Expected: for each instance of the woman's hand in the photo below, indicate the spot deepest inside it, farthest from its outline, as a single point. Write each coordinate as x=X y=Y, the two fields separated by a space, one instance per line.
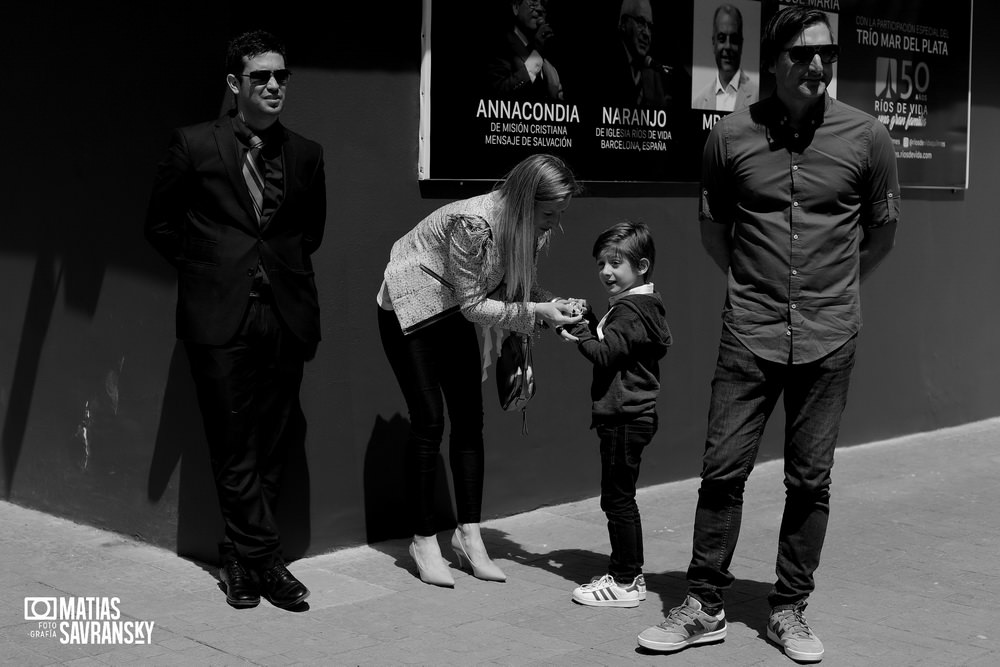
x=577 y=306
x=558 y=313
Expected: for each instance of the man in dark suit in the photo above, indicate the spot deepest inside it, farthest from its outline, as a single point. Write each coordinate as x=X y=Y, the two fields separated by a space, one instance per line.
x=632 y=77
x=520 y=65
x=239 y=220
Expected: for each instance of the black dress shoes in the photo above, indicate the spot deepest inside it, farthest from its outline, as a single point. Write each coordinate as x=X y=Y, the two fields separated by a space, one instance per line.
x=281 y=588
x=241 y=591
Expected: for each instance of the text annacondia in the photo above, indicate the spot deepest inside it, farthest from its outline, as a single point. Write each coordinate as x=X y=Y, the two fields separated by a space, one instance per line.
x=540 y=111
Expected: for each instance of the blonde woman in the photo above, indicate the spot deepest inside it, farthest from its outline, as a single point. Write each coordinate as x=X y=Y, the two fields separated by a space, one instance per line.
x=469 y=262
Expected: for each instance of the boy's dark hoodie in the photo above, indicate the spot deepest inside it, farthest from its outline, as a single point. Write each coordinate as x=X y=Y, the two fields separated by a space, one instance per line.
x=626 y=362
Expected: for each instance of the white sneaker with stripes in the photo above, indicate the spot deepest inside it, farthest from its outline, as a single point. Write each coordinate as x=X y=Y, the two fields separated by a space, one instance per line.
x=606 y=592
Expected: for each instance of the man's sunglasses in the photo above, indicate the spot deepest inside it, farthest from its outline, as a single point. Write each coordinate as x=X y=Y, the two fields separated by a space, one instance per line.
x=803 y=55
x=262 y=77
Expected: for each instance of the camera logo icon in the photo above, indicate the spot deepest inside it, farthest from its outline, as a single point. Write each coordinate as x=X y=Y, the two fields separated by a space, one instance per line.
x=40 y=609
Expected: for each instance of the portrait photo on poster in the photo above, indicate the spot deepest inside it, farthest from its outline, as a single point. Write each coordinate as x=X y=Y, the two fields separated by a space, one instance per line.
x=725 y=72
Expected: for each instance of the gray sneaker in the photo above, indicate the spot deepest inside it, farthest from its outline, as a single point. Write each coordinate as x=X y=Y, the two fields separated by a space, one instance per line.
x=788 y=629
x=685 y=625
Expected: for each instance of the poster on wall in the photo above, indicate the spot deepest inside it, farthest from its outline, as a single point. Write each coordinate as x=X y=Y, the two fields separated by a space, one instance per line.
x=908 y=64
x=628 y=90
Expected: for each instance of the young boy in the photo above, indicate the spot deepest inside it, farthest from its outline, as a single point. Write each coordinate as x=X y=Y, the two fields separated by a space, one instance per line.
x=625 y=347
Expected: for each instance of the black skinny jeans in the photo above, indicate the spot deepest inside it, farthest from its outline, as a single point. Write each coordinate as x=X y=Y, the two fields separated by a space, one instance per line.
x=435 y=366
x=621 y=454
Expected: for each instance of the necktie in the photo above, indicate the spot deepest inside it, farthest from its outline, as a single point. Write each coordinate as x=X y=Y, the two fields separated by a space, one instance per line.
x=637 y=79
x=252 y=175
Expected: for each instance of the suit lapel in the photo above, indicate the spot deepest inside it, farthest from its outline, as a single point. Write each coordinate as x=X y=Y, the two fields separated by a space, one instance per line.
x=229 y=153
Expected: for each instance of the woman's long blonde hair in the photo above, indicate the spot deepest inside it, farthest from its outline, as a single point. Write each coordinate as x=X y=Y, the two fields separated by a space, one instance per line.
x=536 y=179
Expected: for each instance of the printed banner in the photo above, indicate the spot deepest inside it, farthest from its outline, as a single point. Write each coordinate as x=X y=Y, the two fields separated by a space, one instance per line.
x=627 y=90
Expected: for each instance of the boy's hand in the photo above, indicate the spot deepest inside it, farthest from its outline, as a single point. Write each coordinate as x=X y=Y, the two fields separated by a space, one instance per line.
x=567 y=336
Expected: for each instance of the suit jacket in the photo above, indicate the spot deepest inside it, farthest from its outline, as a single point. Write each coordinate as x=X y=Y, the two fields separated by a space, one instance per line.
x=745 y=96
x=661 y=86
x=508 y=76
x=201 y=219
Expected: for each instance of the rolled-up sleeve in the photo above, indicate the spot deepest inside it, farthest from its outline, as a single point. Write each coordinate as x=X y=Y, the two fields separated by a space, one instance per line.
x=881 y=198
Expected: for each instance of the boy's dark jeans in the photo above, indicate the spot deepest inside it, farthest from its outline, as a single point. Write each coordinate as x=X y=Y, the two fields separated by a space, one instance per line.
x=621 y=453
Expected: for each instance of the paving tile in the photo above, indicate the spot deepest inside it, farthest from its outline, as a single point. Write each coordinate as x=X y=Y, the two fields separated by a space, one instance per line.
x=908 y=578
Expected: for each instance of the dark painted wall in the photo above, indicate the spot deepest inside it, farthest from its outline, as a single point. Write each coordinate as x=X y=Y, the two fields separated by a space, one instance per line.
x=98 y=417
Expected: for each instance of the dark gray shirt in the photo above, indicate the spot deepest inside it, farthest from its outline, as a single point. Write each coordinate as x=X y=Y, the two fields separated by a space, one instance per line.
x=798 y=200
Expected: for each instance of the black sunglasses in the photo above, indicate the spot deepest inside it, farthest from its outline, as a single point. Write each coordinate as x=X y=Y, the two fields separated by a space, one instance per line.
x=803 y=55
x=262 y=77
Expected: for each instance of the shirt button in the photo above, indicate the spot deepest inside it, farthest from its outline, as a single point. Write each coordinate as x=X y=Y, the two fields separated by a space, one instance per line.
x=795 y=204
x=794 y=306
x=795 y=167
x=795 y=272
x=795 y=236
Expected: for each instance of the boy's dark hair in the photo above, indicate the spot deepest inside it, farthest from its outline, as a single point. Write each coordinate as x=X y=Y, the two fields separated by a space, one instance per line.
x=249 y=45
x=785 y=25
x=632 y=240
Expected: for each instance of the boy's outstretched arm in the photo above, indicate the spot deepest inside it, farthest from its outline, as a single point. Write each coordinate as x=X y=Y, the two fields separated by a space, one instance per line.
x=617 y=342
x=585 y=329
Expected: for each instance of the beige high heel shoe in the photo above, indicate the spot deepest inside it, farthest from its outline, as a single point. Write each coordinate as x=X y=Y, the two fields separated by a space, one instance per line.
x=434 y=571
x=487 y=571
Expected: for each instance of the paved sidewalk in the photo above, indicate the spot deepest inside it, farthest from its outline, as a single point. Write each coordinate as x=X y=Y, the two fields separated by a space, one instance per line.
x=908 y=578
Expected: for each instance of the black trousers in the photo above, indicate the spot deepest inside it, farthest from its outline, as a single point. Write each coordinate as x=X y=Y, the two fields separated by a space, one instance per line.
x=248 y=391
x=437 y=366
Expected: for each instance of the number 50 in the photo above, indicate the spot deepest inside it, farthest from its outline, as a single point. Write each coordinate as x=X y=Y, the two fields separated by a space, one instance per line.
x=919 y=81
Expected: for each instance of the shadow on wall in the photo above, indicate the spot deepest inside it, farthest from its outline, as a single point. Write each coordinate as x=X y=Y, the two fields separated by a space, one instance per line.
x=80 y=219
x=386 y=507
x=80 y=279
x=179 y=443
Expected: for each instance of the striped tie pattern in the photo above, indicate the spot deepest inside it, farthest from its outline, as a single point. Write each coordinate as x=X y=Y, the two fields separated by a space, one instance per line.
x=252 y=175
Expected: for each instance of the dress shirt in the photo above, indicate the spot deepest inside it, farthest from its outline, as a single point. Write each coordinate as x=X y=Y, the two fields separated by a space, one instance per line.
x=272 y=169
x=798 y=200
x=725 y=96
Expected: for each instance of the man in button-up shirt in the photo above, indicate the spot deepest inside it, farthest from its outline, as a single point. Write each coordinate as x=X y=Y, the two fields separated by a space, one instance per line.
x=800 y=201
